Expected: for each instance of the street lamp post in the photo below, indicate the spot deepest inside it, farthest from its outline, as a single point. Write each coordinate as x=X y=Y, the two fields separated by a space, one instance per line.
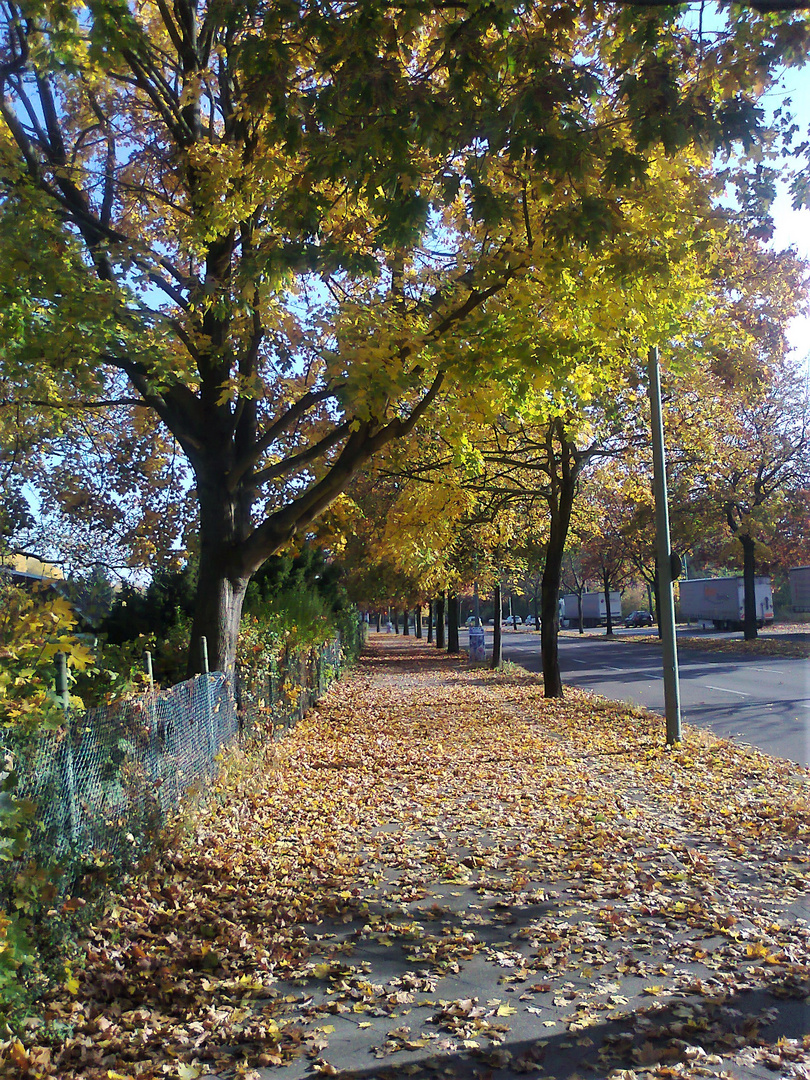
x=664 y=560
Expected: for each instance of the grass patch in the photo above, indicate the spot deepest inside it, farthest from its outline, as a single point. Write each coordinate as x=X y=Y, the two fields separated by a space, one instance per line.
x=761 y=646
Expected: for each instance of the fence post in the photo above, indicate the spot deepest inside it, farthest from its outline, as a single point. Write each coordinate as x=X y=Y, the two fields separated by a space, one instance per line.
x=70 y=772
x=152 y=750
x=209 y=712
x=147 y=665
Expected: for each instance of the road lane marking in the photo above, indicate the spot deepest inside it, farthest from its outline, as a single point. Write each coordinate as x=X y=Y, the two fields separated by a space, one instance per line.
x=724 y=690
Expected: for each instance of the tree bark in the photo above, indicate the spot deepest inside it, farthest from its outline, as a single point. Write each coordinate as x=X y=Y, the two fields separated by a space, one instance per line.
x=379 y=620
x=452 y=623
x=550 y=614
x=497 y=636
x=222 y=579
x=440 y=638
x=749 y=586
x=405 y=629
x=418 y=630
x=431 y=608
x=560 y=509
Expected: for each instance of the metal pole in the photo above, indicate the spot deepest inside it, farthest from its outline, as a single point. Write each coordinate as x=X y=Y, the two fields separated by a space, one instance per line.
x=62 y=680
x=209 y=712
x=63 y=694
x=147 y=663
x=666 y=612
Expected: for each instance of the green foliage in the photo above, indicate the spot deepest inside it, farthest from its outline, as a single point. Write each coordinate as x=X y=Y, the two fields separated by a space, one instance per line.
x=34 y=627
x=17 y=955
x=153 y=612
x=445 y=153
x=157 y=619
x=296 y=603
x=91 y=595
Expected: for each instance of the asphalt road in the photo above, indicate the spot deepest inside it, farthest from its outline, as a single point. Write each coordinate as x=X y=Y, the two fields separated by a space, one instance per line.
x=759 y=700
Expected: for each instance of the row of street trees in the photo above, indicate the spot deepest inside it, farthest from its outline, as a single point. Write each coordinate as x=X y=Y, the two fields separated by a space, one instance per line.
x=247 y=249
x=568 y=500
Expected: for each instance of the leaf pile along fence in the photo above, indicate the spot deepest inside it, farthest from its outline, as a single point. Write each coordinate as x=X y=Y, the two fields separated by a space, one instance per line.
x=96 y=791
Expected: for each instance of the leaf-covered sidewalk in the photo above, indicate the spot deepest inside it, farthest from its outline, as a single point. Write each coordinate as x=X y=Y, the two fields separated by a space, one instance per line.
x=440 y=873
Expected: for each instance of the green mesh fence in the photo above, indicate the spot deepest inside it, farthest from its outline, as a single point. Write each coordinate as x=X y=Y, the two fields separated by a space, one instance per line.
x=101 y=784
x=99 y=788
x=271 y=701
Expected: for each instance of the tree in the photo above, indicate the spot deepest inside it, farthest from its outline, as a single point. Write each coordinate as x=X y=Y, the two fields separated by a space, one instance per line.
x=601 y=545
x=256 y=223
x=762 y=461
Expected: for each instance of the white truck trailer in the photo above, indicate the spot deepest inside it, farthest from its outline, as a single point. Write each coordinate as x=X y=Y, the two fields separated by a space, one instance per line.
x=800 y=588
x=721 y=601
x=594 y=611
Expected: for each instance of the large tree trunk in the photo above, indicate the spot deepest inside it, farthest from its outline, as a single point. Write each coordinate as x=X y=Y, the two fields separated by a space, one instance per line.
x=379 y=620
x=222 y=579
x=559 y=521
x=440 y=639
x=217 y=616
x=431 y=611
x=749 y=586
x=405 y=630
x=550 y=616
x=452 y=623
x=418 y=630
x=497 y=636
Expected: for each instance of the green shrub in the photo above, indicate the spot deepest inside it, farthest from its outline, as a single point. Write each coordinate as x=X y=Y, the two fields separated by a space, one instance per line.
x=34 y=627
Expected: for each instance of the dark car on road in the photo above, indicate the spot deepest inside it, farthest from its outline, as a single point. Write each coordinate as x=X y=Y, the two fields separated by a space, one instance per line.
x=639 y=618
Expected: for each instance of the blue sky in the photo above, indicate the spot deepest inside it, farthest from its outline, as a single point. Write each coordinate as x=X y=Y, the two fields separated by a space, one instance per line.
x=792 y=227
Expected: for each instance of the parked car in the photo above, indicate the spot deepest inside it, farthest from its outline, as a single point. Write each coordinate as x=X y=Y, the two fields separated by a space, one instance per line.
x=529 y=620
x=639 y=618
x=512 y=620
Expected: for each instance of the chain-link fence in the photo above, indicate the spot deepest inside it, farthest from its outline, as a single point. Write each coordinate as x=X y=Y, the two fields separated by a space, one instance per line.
x=97 y=789
x=271 y=701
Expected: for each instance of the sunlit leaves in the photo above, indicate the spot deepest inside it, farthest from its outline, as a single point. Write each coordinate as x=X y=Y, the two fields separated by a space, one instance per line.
x=594 y=876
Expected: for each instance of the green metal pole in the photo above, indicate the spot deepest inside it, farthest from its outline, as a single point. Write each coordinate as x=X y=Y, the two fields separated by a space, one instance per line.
x=666 y=613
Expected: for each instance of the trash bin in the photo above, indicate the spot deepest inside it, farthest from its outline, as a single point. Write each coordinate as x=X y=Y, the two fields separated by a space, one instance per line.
x=478 y=649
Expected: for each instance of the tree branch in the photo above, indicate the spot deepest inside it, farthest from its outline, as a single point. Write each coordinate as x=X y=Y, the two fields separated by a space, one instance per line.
x=284 y=423
x=312 y=453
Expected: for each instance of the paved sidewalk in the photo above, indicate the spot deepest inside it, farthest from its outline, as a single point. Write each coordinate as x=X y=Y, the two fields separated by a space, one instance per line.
x=627 y=936
x=444 y=875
